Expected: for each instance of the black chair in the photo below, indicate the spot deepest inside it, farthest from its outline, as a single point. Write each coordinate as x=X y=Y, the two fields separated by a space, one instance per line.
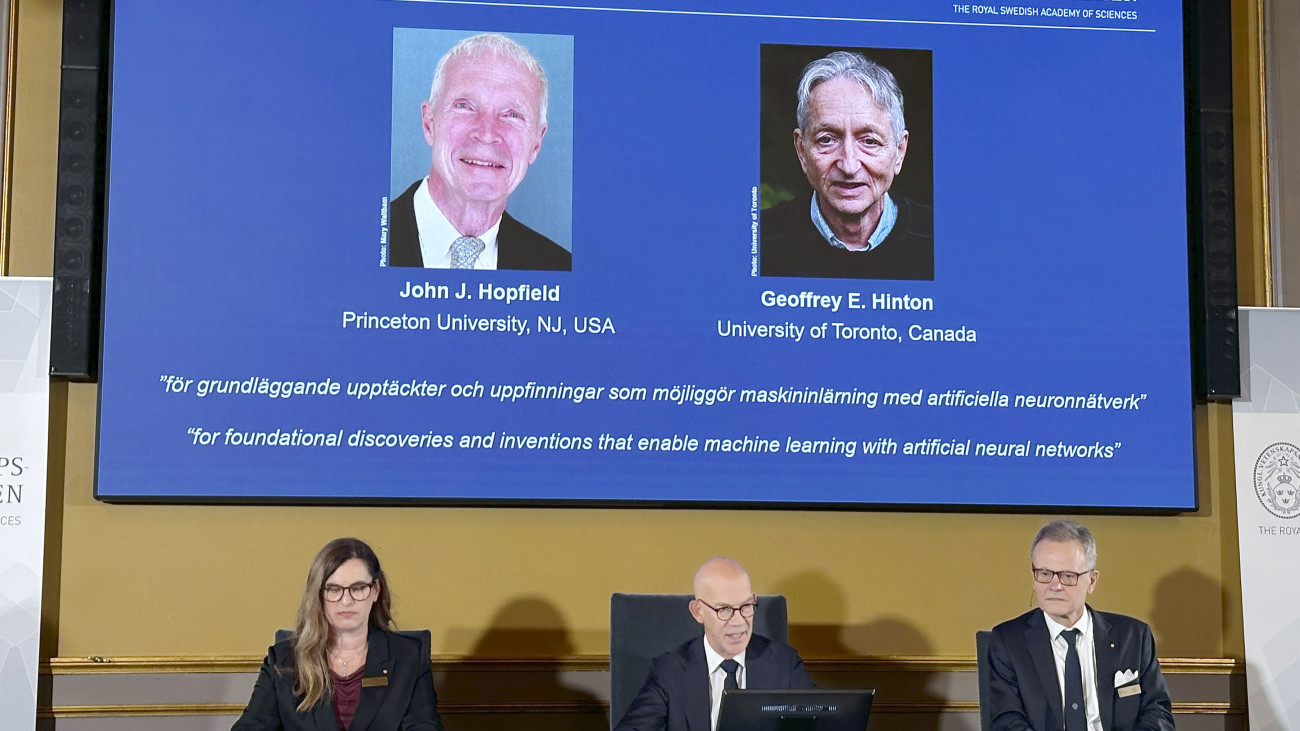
x=422 y=635
x=982 y=664
x=643 y=626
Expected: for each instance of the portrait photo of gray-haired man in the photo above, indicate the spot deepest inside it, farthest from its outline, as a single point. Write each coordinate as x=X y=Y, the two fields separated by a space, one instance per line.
x=851 y=199
x=484 y=125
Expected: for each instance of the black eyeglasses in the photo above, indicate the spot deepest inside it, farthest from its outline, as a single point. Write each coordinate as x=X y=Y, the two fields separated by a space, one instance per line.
x=725 y=613
x=359 y=591
x=1068 y=578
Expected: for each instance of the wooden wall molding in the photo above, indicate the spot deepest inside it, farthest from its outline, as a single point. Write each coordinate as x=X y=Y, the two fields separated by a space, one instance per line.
x=97 y=665
x=543 y=707
x=232 y=709
x=574 y=663
x=914 y=686
x=127 y=711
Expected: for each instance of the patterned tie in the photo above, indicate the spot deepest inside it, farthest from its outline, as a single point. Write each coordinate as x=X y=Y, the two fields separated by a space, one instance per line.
x=730 y=667
x=1076 y=713
x=465 y=251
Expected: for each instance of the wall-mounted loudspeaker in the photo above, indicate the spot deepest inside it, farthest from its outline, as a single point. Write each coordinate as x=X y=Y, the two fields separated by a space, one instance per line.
x=1211 y=221
x=79 y=202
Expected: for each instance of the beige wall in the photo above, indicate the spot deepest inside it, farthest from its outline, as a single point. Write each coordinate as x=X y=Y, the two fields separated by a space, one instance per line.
x=191 y=580
x=1283 y=93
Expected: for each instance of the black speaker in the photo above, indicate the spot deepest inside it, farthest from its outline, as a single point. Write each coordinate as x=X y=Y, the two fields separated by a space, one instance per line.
x=1211 y=221
x=79 y=200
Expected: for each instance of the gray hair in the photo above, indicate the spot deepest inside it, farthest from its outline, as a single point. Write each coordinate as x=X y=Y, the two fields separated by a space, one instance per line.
x=493 y=44
x=845 y=64
x=1062 y=530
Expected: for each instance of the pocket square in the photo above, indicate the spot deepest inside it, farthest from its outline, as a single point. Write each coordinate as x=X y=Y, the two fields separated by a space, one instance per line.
x=1124 y=677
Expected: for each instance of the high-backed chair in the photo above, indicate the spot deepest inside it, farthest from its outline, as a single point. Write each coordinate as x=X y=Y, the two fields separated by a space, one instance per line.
x=643 y=626
x=419 y=634
x=982 y=664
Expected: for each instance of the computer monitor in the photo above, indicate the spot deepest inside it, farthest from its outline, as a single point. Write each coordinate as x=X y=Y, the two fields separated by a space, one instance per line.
x=794 y=710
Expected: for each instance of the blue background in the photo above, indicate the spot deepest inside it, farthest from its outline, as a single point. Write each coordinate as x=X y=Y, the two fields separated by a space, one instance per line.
x=251 y=145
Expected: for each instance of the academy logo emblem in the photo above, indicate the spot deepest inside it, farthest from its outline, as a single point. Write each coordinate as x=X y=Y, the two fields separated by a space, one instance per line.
x=1277 y=479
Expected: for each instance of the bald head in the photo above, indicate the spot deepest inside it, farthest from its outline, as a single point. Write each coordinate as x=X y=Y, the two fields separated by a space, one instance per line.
x=722 y=584
x=715 y=570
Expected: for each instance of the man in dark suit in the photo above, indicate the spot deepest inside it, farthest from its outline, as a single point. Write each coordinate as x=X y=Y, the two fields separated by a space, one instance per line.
x=1067 y=666
x=484 y=121
x=851 y=140
x=684 y=689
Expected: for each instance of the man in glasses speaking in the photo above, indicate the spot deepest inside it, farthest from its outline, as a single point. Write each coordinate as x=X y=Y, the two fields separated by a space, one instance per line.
x=684 y=689
x=1066 y=665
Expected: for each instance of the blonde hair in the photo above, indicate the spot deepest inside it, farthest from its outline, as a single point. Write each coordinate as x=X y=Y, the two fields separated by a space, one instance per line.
x=311 y=635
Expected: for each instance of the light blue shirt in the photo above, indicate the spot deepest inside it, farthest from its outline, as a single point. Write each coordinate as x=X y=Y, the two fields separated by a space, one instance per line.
x=886 y=224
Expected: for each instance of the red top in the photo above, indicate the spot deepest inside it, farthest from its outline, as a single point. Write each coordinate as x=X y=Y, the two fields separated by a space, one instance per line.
x=347 y=693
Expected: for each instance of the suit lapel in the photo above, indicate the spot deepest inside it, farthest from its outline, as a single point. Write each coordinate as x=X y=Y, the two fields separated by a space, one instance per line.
x=378 y=665
x=506 y=240
x=696 y=673
x=1104 y=650
x=1039 y=644
x=759 y=674
x=322 y=717
x=404 y=232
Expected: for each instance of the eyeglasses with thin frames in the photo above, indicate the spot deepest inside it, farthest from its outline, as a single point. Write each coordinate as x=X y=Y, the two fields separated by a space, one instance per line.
x=360 y=591
x=1068 y=578
x=725 y=613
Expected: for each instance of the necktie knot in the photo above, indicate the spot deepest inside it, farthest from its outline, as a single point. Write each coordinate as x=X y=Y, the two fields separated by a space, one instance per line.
x=465 y=251
x=730 y=667
x=1071 y=635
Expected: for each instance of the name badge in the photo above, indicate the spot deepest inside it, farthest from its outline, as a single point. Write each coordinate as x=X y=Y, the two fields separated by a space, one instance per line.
x=372 y=682
x=1123 y=692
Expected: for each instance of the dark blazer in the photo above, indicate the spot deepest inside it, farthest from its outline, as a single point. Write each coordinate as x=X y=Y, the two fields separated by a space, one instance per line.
x=1025 y=693
x=793 y=247
x=676 y=694
x=406 y=703
x=518 y=247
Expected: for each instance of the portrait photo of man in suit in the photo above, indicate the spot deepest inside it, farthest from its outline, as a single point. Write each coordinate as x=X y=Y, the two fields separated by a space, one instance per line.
x=485 y=122
x=1065 y=665
x=852 y=142
x=684 y=687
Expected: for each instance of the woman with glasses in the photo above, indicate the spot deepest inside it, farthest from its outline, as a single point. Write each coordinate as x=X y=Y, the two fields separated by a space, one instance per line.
x=344 y=667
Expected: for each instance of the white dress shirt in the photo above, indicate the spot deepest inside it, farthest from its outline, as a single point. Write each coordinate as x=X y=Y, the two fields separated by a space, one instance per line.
x=1087 y=662
x=437 y=234
x=717 y=677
